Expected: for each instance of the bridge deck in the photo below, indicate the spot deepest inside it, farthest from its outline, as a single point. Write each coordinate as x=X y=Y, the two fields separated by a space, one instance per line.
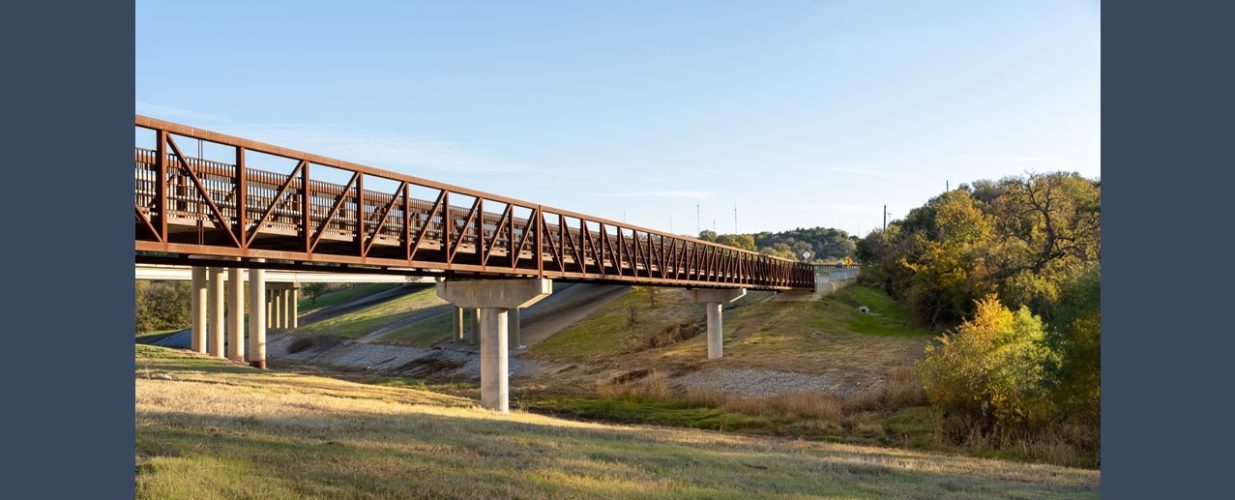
x=226 y=210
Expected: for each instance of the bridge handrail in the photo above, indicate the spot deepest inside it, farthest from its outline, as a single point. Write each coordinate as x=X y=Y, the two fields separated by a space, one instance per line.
x=292 y=154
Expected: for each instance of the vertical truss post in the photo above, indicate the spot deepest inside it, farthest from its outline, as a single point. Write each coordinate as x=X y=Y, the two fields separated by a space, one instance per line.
x=242 y=198
x=161 y=187
x=360 y=215
x=306 y=209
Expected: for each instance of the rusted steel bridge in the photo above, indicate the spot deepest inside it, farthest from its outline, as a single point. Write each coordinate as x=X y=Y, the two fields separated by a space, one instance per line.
x=251 y=217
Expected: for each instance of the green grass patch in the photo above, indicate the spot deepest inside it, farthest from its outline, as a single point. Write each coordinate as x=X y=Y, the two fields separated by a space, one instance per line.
x=342 y=296
x=361 y=321
x=913 y=427
x=606 y=331
x=886 y=317
x=638 y=410
x=427 y=332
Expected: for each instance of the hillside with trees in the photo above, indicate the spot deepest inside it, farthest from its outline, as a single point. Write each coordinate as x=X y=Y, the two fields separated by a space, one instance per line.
x=823 y=244
x=1009 y=270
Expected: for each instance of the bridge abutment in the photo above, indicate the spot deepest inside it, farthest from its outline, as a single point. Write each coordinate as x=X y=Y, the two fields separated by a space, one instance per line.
x=713 y=300
x=494 y=299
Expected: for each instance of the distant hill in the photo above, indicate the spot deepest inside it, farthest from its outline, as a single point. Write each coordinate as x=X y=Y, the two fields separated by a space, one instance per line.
x=824 y=243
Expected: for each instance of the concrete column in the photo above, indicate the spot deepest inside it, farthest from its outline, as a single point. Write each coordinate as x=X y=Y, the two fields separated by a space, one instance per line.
x=235 y=314
x=214 y=311
x=199 y=300
x=257 y=318
x=716 y=330
x=494 y=298
x=513 y=328
x=494 y=360
x=276 y=298
x=457 y=312
x=295 y=307
x=713 y=299
x=269 y=309
x=475 y=337
x=287 y=308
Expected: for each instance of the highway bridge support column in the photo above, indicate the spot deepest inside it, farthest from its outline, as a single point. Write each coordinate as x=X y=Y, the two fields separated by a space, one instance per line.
x=295 y=298
x=257 y=318
x=494 y=298
x=474 y=333
x=713 y=299
x=287 y=309
x=457 y=312
x=214 y=310
x=513 y=328
x=235 y=314
x=199 y=300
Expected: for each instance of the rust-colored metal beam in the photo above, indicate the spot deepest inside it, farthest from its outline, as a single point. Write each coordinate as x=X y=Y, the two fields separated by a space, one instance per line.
x=645 y=256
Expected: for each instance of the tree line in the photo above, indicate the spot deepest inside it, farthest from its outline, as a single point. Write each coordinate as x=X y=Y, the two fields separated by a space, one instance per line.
x=816 y=244
x=1010 y=271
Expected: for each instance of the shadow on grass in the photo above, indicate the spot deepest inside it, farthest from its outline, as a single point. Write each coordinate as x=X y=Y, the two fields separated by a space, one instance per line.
x=481 y=455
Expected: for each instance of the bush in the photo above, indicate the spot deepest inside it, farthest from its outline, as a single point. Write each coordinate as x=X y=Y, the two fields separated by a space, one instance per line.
x=988 y=377
x=162 y=305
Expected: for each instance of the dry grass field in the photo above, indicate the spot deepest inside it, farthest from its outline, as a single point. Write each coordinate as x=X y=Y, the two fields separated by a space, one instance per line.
x=212 y=429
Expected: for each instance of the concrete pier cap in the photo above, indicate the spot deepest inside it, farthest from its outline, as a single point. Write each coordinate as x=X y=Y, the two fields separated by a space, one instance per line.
x=495 y=293
x=713 y=299
x=493 y=299
x=717 y=295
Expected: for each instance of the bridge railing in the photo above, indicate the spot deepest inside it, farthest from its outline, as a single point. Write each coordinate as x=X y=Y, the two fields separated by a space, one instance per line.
x=193 y=206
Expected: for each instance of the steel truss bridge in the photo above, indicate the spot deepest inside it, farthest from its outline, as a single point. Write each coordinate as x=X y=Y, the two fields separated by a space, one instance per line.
x=229 y=213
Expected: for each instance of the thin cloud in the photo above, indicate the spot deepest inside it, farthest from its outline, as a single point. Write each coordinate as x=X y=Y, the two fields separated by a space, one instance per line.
x=693 y=195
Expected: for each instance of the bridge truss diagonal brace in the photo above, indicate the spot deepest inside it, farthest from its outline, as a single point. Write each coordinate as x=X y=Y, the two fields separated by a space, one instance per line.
x=713 y=299
x=495 y=299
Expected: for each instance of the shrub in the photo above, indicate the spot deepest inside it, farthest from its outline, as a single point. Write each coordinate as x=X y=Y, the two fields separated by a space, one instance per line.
x=161 y=305
x=987 y=378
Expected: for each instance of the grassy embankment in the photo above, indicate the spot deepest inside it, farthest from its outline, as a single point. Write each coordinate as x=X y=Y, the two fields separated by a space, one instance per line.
x=207 y=428
x=310 y=304
x=828 y=337
x=357 y=323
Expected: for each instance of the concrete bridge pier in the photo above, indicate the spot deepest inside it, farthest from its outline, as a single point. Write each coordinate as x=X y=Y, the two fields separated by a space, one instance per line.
x=474 y=333
x=713 y=299
x=235 y=314
x=457 y=314
x=494 y=299
x=516 y=342
x=257 y=318
x=199 y=300
x=214 y=306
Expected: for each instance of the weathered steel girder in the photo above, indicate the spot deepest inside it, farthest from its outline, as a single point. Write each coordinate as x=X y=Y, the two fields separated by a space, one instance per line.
x=192 y=206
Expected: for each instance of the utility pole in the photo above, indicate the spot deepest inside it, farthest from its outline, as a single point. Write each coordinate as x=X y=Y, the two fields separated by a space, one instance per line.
x=698 y=225
x=714 y=227
x=735 y=217
x=885 y=218
x=947 y=185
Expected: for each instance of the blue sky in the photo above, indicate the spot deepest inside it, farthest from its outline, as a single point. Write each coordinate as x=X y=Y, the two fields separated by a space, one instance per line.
x=808 y=113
